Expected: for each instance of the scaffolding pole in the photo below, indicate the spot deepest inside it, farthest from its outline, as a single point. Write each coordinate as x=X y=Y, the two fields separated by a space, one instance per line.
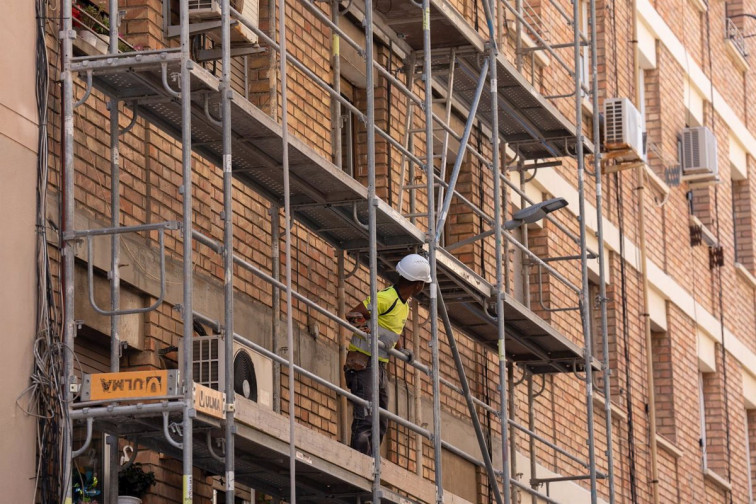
x=228 y=251
x=188 y=281
x=584 y=301
x=287 y=233
x=66 y=36
x=601 y=260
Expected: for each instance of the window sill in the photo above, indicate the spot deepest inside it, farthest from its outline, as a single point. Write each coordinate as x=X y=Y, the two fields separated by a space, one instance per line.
x=598 y=398
x=656 y=183
x=747 y=275
x=707 y=236
x=700 y=5
x=717 y=480
x=669 y=447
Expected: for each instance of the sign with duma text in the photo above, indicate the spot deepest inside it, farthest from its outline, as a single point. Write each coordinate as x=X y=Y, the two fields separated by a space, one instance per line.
x=209 y=401
x=129 y=385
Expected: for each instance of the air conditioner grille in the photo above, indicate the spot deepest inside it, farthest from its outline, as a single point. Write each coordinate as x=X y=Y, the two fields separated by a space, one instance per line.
x=206 y=364
x=614 y=131
x=245 y=379
x=699 y=153
x=200 y=4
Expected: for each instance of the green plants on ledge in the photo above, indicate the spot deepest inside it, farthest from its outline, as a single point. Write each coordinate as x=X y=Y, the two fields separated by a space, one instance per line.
x=133 y=483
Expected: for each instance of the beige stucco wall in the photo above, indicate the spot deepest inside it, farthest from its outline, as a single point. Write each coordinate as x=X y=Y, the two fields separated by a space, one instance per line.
x=18 y=137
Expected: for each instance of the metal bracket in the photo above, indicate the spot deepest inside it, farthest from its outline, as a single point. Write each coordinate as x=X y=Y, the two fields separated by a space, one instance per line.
x=88 y=90
x=160 y=227
x=716 y=257
x=175 y=427
x=168 y=88
x=221 y=442
x=87 y=440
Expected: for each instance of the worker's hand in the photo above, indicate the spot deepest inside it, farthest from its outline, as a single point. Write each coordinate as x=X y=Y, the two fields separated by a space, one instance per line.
x=408 y=353
x=357 y=319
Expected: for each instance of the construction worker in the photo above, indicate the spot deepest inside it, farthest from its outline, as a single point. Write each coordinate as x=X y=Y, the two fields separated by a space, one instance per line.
x=393 y=308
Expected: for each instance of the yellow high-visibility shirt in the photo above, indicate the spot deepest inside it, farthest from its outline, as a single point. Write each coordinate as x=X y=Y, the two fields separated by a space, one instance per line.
x=392 y=314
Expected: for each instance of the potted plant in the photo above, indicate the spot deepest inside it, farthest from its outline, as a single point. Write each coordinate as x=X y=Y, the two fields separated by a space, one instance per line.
x=133 y=483
x=85 y=487
x=87 y=24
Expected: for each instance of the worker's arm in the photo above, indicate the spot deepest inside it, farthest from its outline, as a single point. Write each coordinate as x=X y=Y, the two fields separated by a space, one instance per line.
x=360 y=307
x=358 y=315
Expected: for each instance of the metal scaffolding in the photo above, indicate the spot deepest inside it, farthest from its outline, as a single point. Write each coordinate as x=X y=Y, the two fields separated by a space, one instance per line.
x=471 y=74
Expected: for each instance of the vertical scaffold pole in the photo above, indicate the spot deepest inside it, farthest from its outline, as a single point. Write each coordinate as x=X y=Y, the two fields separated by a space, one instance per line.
x=585 y=301
x=372 y=201
x=228 y=246
x=186 y=190
x=287 y=234
x=500 y=289
x=113 y=27
x=500 y=292
x=432 y=245
x=67 y=227
x=115 y=250
x=336 y=83
x=602 y=265
x=115 y=275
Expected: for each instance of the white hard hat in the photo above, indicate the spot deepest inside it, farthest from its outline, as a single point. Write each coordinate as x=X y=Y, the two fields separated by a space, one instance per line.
x=414 y=267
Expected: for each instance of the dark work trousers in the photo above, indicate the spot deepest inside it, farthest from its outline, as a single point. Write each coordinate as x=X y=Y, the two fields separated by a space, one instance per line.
x=360 y=383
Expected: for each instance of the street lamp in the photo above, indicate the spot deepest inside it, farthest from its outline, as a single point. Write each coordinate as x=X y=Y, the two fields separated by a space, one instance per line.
x=534 y=213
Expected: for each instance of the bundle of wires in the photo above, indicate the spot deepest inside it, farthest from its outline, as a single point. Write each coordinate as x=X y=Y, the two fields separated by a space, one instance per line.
x=43 y=397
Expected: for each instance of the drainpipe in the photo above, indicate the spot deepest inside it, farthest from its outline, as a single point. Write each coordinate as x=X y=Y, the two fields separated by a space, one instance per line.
x=644 y=277
x=647 y=329
x=336 y=104
x=275 y=239
x=417 y=391
x=272 y=76
x=341 y=302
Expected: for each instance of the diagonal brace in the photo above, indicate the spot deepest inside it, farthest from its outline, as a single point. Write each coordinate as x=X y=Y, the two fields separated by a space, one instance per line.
x=468 y=397
x=462 y=148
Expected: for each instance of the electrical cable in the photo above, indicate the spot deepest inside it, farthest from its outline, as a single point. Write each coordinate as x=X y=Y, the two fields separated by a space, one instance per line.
x=623 y=287
x=43 y=395
x=725 y=392
x=625 y=342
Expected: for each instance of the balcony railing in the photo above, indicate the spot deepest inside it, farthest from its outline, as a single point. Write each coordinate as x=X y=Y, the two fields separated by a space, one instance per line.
x=734 y=35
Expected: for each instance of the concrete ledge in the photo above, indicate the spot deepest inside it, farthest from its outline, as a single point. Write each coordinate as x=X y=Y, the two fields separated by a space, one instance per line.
x=717 y=480
x=669 y=447
x=747 y=276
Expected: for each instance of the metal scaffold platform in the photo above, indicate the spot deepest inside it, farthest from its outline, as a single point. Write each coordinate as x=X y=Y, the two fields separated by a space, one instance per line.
x=271 y=452
x=327 y=471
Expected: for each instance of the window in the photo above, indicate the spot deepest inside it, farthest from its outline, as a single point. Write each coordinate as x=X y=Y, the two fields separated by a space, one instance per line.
x=661 y=353
x=750 y=449
x=694 y=105
x=597 y=340
x=585 y=31
x=713 y=425
x=742 y=220
x=742 y=211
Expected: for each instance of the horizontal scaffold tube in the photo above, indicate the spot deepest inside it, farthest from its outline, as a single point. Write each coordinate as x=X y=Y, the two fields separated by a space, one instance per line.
x=127 y=409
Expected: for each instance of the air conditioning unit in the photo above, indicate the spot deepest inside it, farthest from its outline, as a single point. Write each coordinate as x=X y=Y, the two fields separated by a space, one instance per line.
x=210 y=10
x=699 y=155
x=253 y=372
x=624 y=130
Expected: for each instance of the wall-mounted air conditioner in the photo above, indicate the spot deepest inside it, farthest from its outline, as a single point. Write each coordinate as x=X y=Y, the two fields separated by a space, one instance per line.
x=252 y=371
x=210 y=10
x=699 y=155
x=623 y=135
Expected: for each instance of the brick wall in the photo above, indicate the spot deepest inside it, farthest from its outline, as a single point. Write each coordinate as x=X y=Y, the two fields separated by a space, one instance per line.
x=150 y=180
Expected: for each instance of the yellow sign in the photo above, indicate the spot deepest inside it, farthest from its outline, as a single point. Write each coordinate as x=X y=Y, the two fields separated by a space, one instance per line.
x=209 y=401
x=128 y=384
